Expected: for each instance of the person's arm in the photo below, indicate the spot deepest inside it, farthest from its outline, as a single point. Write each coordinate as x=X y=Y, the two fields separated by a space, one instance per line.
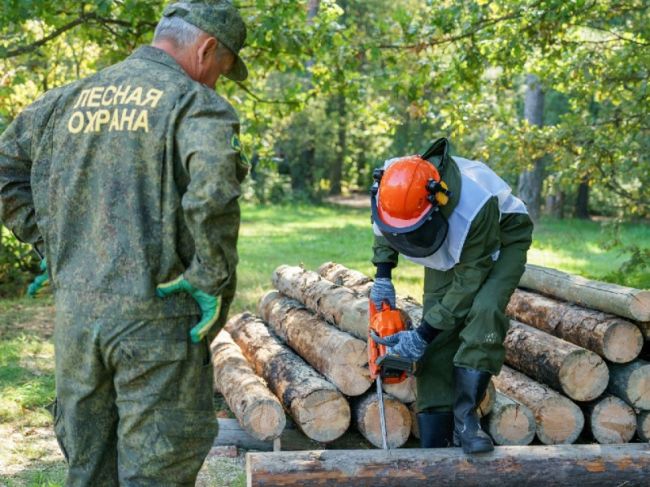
x=472 y=270
x=17 y=211
x=210 y=156
x=384 y=257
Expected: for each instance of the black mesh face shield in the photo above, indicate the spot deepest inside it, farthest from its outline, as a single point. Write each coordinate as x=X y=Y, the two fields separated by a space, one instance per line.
x=419 y=240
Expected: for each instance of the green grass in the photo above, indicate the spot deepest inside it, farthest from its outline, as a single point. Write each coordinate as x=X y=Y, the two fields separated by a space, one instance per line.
x=270 y=236
x=311 y=235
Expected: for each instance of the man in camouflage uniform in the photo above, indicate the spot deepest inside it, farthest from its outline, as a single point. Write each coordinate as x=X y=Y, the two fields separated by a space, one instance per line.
x=127 y=182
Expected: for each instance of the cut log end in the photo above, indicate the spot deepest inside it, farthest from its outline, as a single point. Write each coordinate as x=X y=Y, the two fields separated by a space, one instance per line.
x=405 y=391
x=322 y=415
x=559 y=421
x=584 y=375
x=631 y=382
x=624 y=342
x=268 y=421
x=398 y=420
x=510 y=422
x=640 y=306
x=612 y=421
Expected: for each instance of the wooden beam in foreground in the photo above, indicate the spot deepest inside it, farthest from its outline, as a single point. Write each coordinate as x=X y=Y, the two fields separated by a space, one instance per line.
x=583 y=465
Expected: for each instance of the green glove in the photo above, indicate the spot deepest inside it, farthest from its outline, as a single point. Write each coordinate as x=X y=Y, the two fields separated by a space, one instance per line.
x=39 y=281
x=208 y=304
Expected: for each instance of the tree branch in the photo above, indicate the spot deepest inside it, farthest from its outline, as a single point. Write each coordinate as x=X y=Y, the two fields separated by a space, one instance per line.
x=44 y=40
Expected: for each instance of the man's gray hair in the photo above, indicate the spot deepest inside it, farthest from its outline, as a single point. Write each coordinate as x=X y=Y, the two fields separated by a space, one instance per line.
x=182 y=34
x=177 y=30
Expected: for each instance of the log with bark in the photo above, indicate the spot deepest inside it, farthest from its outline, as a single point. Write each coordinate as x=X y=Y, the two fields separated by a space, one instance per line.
x=339 y=356
x=316 y=406
x=339 y=305
x=614 y=338
x=558 y=419
x=631 y=382
x=361 y=284
x=257 y=409
x=365 y=414
x=510 y=422
x=611 y=298
x=643 y=425
x=580 y=374
x=610 y=420
x=532 y=466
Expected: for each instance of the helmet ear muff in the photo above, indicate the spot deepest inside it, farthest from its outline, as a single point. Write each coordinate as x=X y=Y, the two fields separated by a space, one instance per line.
x=438 y=192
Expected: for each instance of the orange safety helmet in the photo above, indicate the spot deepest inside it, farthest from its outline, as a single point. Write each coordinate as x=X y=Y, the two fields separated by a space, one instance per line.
x=405 y=201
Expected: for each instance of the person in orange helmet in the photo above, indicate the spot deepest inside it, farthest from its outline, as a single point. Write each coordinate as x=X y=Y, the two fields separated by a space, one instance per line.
x=459 y=220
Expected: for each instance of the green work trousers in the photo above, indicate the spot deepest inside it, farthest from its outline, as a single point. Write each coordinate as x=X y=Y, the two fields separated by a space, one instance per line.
x=475 y=342
x=134 y=400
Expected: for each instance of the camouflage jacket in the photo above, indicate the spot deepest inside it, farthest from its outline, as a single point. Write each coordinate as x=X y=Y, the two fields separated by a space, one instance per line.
x=124 y=180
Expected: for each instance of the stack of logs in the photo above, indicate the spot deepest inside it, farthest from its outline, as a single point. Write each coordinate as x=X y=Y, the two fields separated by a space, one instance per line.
x=573 y=368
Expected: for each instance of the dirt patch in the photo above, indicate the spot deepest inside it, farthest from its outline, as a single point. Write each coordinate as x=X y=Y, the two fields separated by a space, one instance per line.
x=27 y=319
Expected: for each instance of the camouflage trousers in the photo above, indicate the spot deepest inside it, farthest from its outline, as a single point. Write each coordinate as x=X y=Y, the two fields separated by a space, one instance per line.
x=134 y=400
x=477 y=341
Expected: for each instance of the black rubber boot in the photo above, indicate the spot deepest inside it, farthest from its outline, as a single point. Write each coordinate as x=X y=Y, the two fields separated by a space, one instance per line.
x=436 y=429
x=469 y=388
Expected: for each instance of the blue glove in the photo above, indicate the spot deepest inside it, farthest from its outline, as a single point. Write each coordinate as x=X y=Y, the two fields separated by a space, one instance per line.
x=408 y=344
x=208 y=304
x=39 y=281
x=383 y=290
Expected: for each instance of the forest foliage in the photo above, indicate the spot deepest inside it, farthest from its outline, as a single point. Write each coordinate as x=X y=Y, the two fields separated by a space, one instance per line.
x=337 y=86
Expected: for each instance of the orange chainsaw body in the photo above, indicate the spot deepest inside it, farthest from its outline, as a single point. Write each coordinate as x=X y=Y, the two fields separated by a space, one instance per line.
x=384 y=322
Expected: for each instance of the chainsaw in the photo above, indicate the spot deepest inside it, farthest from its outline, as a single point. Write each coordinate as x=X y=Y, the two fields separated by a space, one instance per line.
x=389 y=369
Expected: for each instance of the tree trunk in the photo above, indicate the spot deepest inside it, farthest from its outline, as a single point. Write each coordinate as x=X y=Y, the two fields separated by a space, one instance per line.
x=582 y=200
x=631 y=382
x=557 y=418
x=336 y=173
x=615 y=339
x=532 y=466
x=316 y=406
x=611 y=298
x=365 y=413
x=643 y=425
x=610 y=420
x=555 y=204
x=530 y=182
x=257 y=409
x=339 y=356
x=580 y=374
x=510 y=422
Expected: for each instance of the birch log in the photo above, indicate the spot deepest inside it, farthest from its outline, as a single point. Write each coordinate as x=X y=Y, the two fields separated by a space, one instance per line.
x=558 y=419
x=631 y=382
x=361 y=284
x=510 y=422
x=610 y=420
x=579 y=373
x=614 y=338
x=316 y=406
x=336 y=304
x=339 y=356
x=257 y=409
x=365 y=414
x=611 y=298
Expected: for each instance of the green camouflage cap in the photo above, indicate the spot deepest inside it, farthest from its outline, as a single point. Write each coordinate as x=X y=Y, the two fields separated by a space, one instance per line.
x=220 y=19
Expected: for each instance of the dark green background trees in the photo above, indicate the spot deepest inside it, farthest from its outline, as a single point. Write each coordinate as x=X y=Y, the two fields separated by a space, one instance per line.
x=337 y=86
